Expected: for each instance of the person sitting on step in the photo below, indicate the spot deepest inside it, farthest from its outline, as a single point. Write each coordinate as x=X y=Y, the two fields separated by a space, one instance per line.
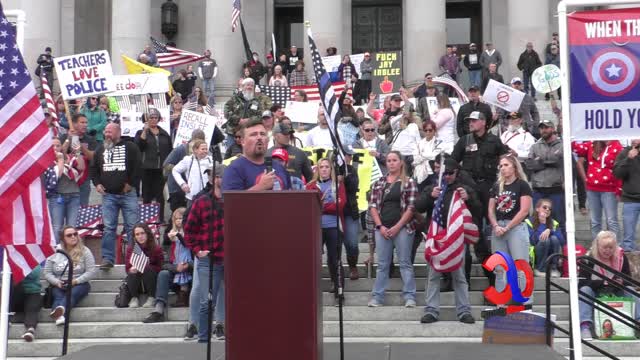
x=26 y=298
x=143 y=281
x=56 y=273
x=546 y=236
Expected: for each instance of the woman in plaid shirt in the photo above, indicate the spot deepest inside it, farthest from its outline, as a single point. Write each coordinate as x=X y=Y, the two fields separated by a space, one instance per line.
x=298 y=76
x=391 y=207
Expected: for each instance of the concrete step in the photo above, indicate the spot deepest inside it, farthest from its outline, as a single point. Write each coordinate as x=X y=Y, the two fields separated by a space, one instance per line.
x=330 y=313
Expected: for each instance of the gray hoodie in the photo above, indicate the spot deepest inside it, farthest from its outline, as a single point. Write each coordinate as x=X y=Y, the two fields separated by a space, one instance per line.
x=545 y=163
x=56 y=268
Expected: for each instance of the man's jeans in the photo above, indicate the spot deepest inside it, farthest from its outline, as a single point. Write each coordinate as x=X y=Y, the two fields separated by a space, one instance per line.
x=64 y=211
x=208 y=87
x=460 y=286
x=586 y=309
x=217 y=292
x=403 y=243
x=630 y=213
x=352 y=228
x=526 y=81
x=599 y=201
x=78 y=293
x=475 y=78
x=111 y=205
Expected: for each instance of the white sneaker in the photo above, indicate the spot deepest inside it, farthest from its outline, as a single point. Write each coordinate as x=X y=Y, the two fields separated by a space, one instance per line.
x=133 y=303
x=555 y=273
x=57 y=312
x=373 y=303
x=585 y=333
x=410 y=303
x=538 y=273
x=60 y=321
x=151 y=302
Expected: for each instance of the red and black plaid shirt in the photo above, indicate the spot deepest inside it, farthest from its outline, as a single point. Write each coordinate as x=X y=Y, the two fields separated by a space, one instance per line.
x=204 y=229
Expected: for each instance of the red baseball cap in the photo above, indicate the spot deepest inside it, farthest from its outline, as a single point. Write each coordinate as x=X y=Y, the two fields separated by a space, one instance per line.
x=281 y=154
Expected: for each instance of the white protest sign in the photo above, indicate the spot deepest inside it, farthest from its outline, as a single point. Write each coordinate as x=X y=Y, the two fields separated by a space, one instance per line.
x=130 y=123
x=356 y=59
x=546 y=78
x=331 y=63
x=455 y=104
x=302 y=112
x=83 y=75
x=432 y=104
x=137 y=84
x=191 y=120
x=503 y=96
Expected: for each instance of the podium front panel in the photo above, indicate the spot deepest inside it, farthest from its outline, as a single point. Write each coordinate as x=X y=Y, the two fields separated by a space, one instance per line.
x=272 y=275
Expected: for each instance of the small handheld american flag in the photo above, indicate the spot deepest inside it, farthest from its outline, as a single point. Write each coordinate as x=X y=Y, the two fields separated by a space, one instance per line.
x=138 y=259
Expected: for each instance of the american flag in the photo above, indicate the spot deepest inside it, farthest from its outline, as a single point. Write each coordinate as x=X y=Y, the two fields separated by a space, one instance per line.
x=235 y=14
x=281 y=94
x=25 y=153
x=89 y=221
x=446 y=80
x=48 y=97
x=444 y=249
x=169 y=56
x=138 y=259
x=327 y=95
x=149 y=214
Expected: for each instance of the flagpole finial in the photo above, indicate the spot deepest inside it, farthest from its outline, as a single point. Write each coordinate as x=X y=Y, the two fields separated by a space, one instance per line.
x=307 y=24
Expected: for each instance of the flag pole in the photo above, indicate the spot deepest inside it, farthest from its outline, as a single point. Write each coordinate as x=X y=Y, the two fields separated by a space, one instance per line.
x=4 y=305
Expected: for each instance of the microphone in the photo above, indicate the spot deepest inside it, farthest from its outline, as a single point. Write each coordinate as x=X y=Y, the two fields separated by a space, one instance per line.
x=268 y=162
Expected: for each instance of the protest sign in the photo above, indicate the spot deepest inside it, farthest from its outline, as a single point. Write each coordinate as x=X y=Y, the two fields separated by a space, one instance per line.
x=191 y=120
x=131 y=121
x=137 y=84
x=432 y=104
x=83 y=75
x=331 y=63
x=546 y=79
x=387 y=72
x=356 y=59
x=503 y=96
x=302 y=112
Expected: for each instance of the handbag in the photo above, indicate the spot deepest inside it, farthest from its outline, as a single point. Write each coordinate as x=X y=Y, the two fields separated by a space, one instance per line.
x=123 y=296
x=609 y=328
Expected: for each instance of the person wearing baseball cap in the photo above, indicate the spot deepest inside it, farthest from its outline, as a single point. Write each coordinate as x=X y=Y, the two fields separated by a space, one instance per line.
x=479 y=153
x=528 y=111
x=474 y=105
x=516 y=138
x=298 y=162
x=472 y=63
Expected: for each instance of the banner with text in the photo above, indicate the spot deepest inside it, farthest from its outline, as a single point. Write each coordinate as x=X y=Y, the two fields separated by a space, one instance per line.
x=191 y=120
x=303 y=112
x=83 y=75
x=503 y=96
x=137 y=84
x=387 y=72
x=604 y=48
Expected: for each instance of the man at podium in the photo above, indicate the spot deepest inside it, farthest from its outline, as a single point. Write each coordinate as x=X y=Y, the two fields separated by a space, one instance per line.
x=252 y=171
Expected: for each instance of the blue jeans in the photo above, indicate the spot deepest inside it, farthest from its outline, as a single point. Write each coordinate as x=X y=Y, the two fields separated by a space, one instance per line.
x=514 y=242
x=475 y=78
x=229 y=141
x=78 y=293
x=630 y=213
x=194 y=296
x=526 y=81
x=544 y=249
x=586 y=309
x=209 y=87
x=460 y=286
x=352 y=228
x=111 y=206
x=217 y=292
x=85 y=192
x=403 y=242
x=163 y=284
x=64 y=211
x=557 y=203
x=598 y=201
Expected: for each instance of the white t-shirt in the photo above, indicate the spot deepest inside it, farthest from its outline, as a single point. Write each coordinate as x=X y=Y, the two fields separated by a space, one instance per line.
x=519 y=141
x=407 y=140
x=319 y=137
x=446 y=121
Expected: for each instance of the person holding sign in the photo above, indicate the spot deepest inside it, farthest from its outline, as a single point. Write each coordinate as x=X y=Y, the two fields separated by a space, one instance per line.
x=96 y=116
x=370 y=141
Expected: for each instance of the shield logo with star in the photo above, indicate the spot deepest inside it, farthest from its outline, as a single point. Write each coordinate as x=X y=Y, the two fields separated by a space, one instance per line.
x=613 y=72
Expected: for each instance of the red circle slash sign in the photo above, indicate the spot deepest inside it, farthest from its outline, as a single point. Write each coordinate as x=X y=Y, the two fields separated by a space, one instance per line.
x=503 y=96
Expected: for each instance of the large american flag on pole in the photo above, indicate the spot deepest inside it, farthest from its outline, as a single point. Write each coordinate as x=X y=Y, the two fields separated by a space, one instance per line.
x=169 y=56
x=138 y=259
x=25 y=153
x=235 y=14
x=48 y=97
x=444 y=249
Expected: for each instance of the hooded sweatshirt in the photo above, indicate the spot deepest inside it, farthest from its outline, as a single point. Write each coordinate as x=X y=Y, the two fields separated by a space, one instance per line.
x=117 y=166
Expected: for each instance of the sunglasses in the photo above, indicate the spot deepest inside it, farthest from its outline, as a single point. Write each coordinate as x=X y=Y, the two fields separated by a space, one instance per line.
x=546 y=207
x=368 y=130
x=448 y=173
x=70 y=235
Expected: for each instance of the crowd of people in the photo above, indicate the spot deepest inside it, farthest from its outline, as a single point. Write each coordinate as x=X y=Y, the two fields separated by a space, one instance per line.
x=507 y=167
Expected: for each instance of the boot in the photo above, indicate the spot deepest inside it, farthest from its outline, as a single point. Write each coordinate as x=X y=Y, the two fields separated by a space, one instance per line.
x=183 y=299
x=353 y=267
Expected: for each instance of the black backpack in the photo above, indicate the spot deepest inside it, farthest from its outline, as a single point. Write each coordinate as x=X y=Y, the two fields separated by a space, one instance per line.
x=124 y=296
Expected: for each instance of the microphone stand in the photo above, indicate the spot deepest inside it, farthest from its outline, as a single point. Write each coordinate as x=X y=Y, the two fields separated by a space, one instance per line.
x=67 y=315
x=340 y=270
x=210 y=293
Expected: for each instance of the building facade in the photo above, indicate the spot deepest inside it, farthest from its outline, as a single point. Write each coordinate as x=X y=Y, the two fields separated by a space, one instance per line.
x=420 y=28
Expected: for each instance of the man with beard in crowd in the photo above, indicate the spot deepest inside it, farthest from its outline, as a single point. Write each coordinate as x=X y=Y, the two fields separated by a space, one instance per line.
x=116 y=171
x=298 y=164
x=474 y=104
x=242 y=107
x=528 y=110
x=396 y=109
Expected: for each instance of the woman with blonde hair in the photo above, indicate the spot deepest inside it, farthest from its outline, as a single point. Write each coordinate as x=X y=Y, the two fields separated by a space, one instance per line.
x=391 y=207
x=445 y=120
x=175 y=112
x=509 y=206
x=56 y=272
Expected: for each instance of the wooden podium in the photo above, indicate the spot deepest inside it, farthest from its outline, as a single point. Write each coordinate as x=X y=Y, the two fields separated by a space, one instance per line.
x=272 y=275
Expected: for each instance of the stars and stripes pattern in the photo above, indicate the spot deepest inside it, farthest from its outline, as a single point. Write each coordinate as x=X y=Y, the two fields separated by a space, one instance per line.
x=279 y=94
x=235 y=14
x=446 y=80
x=282 y=94
x=327 y=95
x=138 y=259
x=150 y=214
x=445 y=246
x=193 y=106
x=169 y=56
x=89 y=221
x=51 y=105
x=25 y=153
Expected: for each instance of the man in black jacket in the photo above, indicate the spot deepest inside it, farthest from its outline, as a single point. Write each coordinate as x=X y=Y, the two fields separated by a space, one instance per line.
x=528 y=62
x=116 y=171
x=474 y=104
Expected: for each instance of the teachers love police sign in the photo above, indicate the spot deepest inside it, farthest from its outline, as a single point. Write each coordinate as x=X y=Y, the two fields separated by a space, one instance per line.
x=83 y=75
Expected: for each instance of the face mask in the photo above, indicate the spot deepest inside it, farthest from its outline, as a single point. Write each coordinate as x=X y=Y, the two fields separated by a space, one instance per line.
x=513 y=128
x=255 y=58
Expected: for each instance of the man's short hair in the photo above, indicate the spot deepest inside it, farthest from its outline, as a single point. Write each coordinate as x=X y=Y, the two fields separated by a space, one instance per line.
x=248 y=81
x=251 y=123
x=76 y=117
x=275 y=108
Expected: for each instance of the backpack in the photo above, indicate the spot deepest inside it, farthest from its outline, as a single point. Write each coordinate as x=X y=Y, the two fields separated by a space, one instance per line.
x=123 y=296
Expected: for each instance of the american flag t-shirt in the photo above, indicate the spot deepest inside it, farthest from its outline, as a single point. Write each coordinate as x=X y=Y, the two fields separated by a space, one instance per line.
x=138 y=259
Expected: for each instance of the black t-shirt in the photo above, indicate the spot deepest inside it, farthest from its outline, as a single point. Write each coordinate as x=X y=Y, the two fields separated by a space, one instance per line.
x=508 y=200
x=391 y=211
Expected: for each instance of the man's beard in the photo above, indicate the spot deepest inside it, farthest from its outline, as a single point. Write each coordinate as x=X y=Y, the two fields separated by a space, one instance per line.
x=513 y=128
x=248 y=95
x=546 y=135
x=108 y=144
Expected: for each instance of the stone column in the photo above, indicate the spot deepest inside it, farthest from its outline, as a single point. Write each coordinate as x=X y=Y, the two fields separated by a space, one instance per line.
x=67 y=33
x=326 y=18
x=527 y=21
x=131 y=26
x=424 y=38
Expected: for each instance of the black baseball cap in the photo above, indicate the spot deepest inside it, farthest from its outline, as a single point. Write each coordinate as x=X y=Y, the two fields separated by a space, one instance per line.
x=474 y=88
